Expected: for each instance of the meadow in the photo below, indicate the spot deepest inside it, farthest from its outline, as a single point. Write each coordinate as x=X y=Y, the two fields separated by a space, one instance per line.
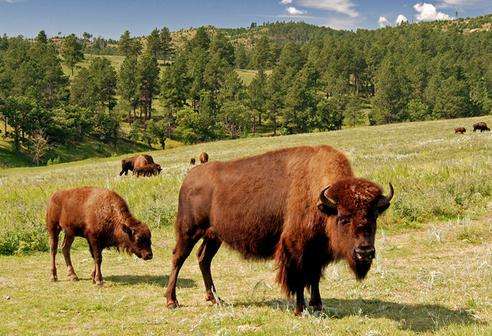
x=432 y=274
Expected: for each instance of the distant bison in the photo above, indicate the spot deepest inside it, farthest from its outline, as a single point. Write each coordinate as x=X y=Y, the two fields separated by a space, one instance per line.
x=480 y=126
x=103 y=218
x=129 y=163
x=301 y=206
x=148 y=170
x=203 y=157
x=460 y=130
x=192 y=161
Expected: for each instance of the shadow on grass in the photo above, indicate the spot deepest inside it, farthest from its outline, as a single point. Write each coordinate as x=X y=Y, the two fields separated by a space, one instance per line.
x=158 y=280
x=414 y=317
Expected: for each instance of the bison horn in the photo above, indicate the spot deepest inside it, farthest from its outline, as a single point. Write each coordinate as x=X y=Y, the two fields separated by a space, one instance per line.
x=329 y=202
x=391 y=193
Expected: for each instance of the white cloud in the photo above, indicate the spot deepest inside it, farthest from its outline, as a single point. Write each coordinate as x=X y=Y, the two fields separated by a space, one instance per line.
x=428 y=12
x=286 y=2
x=401 y=19
x=339 y=23
x=341 y=6
x=383 y=22
x=294 y=11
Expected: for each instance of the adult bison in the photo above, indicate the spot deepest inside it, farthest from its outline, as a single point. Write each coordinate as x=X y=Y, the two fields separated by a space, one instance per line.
x=131 y=163
x=302 y=206
x=480 y=126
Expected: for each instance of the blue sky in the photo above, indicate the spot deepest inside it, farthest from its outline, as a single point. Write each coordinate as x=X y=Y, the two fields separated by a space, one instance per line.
x=110 y=18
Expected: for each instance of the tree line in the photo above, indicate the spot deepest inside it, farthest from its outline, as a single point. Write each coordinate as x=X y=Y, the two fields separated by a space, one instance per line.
x=309 y=81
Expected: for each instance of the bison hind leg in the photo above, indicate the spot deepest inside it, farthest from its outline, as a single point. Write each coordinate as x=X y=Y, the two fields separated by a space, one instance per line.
x=205 y=254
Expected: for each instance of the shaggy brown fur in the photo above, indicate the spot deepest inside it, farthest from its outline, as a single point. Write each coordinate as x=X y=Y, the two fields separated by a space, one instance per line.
x=129 y=163
x=276 y=205
x=103 y=218
x=460 y=130
x=480 y=126
x=203 y=157
x=148 y=170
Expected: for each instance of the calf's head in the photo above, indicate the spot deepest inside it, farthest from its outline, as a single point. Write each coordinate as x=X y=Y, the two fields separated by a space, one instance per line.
x=137 y=240
x=356 y=205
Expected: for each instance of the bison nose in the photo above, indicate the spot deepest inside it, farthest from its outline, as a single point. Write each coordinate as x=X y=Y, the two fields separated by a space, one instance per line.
x=147 y=256
x=365 y=253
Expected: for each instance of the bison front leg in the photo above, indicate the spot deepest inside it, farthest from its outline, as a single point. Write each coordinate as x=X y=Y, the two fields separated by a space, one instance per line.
x=205 y=254
x=315 y=300
x=300 y=302
x=96 y=252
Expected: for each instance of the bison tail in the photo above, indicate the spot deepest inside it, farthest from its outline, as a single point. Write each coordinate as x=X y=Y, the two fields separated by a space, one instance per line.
x=289 y=276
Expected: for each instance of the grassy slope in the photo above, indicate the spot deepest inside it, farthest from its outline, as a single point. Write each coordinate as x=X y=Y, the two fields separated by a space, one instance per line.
x=432 y=275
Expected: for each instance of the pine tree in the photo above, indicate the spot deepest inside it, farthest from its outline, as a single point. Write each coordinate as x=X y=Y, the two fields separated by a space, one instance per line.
x=71 y=51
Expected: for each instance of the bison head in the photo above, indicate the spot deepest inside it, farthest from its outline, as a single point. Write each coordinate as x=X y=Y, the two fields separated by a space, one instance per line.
x=356 y=205
x=138 y=240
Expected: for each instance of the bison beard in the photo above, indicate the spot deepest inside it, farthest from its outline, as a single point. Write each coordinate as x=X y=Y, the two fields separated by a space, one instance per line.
x=301 y=206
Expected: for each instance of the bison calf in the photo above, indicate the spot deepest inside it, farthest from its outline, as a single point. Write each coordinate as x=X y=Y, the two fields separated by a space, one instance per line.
x=103 y=218
x=148 y=170
x=460 y=130
x=203 y=157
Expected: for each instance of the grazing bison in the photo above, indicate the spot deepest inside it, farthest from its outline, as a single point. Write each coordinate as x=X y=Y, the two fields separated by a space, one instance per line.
x=460 y=130
x=103 y=218
x=148 y=170
x=129 y=163
x=203 y=157
x=192 y=162
x=301 y=206
x=480 y=126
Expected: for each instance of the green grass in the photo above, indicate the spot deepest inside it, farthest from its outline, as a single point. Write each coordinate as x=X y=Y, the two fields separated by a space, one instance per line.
x=432 y=275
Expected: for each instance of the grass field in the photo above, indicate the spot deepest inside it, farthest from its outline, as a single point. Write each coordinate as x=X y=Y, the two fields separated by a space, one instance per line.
x=432 y=275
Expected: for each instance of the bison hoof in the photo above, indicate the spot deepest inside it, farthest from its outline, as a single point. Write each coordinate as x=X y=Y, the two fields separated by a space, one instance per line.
x=99 y=283
x=172 y=304
x=209 y=297
x=73 y=277
x=317 y=307
x=54 y=279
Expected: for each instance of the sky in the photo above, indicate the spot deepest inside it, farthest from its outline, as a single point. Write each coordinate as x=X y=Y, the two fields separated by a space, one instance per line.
x=109 y=18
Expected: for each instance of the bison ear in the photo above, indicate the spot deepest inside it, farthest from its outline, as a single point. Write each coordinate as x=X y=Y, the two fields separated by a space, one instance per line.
x=128 y=230
x=382 y=205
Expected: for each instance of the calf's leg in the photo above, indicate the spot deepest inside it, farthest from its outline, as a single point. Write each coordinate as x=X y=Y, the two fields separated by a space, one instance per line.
x=205 y=254
x=96 y=252
x=67 y=244
x=54 y=235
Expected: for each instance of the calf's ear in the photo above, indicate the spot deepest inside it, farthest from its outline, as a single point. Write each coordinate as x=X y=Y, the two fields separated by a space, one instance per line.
x=128 y=230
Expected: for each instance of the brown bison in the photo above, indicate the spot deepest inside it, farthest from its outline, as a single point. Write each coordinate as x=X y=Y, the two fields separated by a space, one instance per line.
x=480 y=126
x=203 y=157
x=460 y=130
x=103 y=218
x=139 y=160
x=301 y=206
x=148 y=170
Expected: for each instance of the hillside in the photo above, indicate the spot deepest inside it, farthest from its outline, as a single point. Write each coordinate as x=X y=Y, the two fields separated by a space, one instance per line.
x=431 y=275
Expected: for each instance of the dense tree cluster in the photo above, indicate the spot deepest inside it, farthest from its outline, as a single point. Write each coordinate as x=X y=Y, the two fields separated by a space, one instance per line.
x=306 y=78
